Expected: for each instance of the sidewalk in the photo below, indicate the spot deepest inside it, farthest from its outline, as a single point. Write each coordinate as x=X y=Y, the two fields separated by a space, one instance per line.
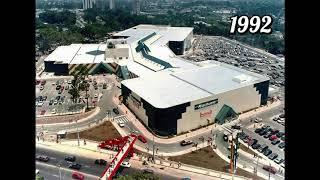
x=90 y=150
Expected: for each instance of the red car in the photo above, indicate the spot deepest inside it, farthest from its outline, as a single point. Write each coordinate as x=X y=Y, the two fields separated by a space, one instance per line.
x=77 y=175
x=42 y=112
x=43 y=82
x=273 y=137
x=270 y=169
x=37 y=82
x=142 y=139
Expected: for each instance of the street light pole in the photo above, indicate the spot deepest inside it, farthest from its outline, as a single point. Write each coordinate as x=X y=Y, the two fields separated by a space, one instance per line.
x=153 y=147
x=59 y=172
x=78 y=135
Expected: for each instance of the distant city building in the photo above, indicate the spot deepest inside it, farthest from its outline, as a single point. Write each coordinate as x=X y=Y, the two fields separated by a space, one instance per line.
x=101 y=4
x=136 y=7
x=111 y=4
x=88 y=4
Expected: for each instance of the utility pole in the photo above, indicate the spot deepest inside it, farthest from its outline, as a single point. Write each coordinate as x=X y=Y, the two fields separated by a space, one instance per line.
x=59 y=171
x=257 y=164
x=78 y=135
x=269 y=170
x=153 y=148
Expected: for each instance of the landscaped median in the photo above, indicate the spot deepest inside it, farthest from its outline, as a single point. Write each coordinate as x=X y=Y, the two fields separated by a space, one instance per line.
x=207 y=158
x=67 y=119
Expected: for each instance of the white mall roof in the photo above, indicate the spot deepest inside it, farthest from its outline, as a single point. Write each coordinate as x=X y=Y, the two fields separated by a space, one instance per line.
x=166 y=89
x=78 y=54
x=166 y=33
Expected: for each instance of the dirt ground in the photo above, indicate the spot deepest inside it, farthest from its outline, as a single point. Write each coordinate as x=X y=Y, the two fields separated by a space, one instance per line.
x=207 y=158
x=98 y=133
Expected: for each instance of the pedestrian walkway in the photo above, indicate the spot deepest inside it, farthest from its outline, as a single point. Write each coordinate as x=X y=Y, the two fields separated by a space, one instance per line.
x=121 y=119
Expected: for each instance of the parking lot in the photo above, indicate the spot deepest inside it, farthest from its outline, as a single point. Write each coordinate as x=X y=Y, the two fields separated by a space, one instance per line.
x=269 y=133
x=233 y=53
x=54 y=100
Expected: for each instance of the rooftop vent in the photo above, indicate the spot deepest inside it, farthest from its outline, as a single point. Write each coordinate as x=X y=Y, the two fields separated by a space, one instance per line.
x=241 y=78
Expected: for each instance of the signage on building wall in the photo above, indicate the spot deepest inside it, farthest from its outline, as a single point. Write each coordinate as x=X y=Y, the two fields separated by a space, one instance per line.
x=206 y=114
x=135 y=101
x=205 y=104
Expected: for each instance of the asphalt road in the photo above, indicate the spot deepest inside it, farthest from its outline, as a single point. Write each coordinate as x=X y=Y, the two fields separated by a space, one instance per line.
x=89 y=169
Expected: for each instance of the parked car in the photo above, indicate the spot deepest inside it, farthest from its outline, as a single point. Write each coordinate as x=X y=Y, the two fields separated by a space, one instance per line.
x=70 y=158
x=43 y=82
x=256 y=146
x=185 y=142
x=74 y=166
x=278 y=160
x=58 y=98
x=51 y=101
x=60 y=91
x=248 y=139
x=263 y=132
x=225 y=137
x=282 y=116
x=273 y=137
x=280 y=134
x=70 y=81
x=276 y=141
x=125 y=164
x=37 y=82
x=67 y=87
x=41 y=87
x=283 y=138
x=236 y=127
x=44 y=98
x=282 y=164
x=258 y=130
x=281 y=145
x=269 y=169
x=77 y=175
x=267 y=135
x=142 y=139
x=104 y=86
x=258 y=120
x=95 y=95
x=100 y=162
x=273 y=156
x=58 y=87
x=53 y=111
x=275 y=131
x=42 y=158
x=115 y=110
x=267 y=152
x=265 y=126
x=252 y=142
x=243 y=137
x=263 y=148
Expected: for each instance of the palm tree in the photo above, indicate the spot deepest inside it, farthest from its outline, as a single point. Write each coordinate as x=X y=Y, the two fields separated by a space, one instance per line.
x=79 y=83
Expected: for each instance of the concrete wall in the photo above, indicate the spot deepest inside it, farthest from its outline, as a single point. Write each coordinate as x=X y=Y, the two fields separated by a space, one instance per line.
x=240 y=100
x=139 y=111
x=188 y=41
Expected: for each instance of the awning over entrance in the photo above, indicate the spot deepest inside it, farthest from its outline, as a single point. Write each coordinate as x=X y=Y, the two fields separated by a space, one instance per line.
x=226 y=112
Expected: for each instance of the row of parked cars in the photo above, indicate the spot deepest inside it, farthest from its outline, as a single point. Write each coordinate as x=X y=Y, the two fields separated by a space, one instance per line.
x=280 y=119
x=273 y=135
x=262 y=148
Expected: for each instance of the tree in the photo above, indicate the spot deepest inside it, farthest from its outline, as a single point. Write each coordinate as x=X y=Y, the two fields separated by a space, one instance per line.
x=139 y=176
x=79 y=83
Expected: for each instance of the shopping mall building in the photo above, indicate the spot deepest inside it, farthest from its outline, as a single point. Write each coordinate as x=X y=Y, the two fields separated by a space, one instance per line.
x=169 y=94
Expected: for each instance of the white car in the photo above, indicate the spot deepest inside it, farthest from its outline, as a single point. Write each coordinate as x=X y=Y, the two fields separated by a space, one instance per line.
x=257 y=120
x=70 y=81
x=53 y=111
x=96 y=96
x=125 y=164
x=40 y=103
x=41 y=87
x=282 y=164
x=55 y=102
x=121 y=124
x=37 y=171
